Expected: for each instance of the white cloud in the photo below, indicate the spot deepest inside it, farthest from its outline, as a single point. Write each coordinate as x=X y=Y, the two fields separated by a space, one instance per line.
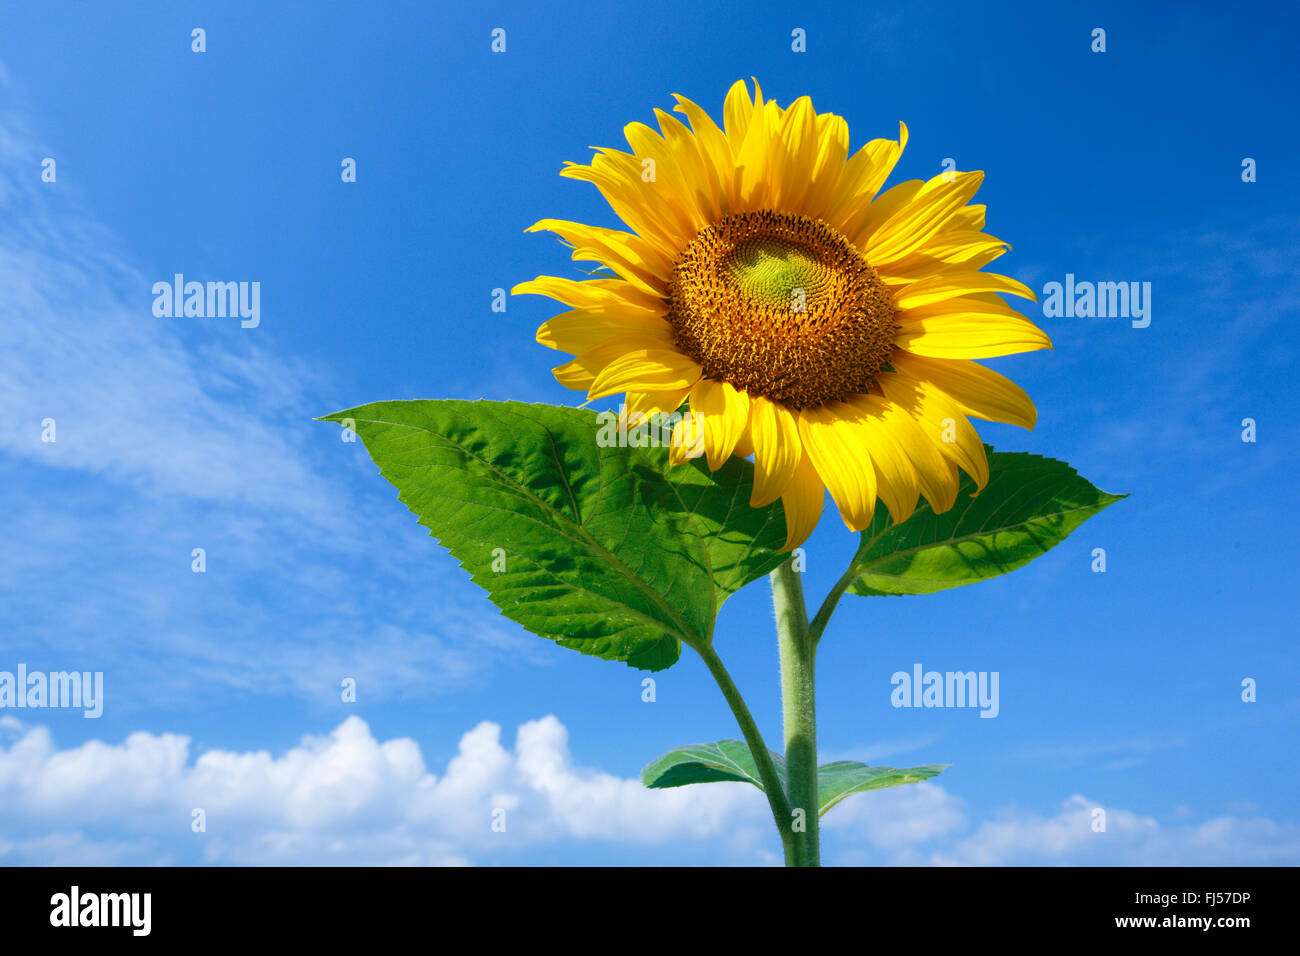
x=1129 y=839
x=349 y=798
x=899 y=817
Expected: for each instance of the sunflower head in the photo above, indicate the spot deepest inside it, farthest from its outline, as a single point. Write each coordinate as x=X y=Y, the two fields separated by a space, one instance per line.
x=810 y=321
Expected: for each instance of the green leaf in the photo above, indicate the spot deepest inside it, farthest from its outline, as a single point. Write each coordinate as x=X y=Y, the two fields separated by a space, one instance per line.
x=725 y=760
x=1030 y=505
x=835 y=781
x=730 y=760
x=607 y=550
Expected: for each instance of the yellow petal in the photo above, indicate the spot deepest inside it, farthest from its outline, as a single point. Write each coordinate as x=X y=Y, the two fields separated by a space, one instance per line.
x=911 y=227
x=838 y=451
x=674 y=177
x=744 y=444
x=942 y=420
x=800 y=144
x=969 y=217
x=829 y=166
x=702 y=187
x=714 y=150
x=803 y=501
x=953 y=250
x=724 y=411
x=688 y=439
x=759 y=160
x=950 y=286
x=580 y=329
x=638 y=203
x=576 y=374
x=582 y=371
x=777 y=449
x=630 y=256
x=862 y=177
x=885 y=154
x=967 y=329
x=859 y=226
x=645 y=370
x=977 y=390
x=590 y=293
x=640 y=405
x=896 y=480
x=736 y=112
x=960 y=245
x=935 y=476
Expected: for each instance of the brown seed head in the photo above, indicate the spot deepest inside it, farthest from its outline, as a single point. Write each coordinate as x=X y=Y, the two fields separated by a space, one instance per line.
x=784 y=306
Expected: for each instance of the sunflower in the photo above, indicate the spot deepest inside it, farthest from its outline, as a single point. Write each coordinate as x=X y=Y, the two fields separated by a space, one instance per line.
x=809 y=320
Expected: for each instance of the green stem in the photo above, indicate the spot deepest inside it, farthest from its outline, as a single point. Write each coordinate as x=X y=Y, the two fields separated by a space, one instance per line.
x=833 y=598
x=773 y=785
x=851 y=574
x=799 y=708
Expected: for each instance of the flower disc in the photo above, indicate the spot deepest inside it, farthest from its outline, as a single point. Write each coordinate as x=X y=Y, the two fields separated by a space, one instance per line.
x=783 y=306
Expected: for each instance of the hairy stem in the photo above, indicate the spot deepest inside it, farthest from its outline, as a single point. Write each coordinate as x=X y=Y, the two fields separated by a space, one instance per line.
x=823 y=617
x=799 y=710
x=773 y=785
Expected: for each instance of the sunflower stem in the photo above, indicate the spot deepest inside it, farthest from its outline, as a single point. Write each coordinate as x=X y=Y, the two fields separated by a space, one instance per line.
x=773 y=785
x=823 y=616
x=799 y=710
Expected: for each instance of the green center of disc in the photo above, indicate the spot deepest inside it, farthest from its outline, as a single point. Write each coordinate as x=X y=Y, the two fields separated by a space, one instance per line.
x=775 y=272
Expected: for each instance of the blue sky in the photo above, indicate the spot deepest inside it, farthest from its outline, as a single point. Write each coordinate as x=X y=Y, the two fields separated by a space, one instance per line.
x=1119 y=690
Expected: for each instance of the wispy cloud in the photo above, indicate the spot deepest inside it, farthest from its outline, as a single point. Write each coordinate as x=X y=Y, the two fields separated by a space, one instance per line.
x=171 y=436
x=1125 y=749
x=883 y=750
x=1177 y=391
